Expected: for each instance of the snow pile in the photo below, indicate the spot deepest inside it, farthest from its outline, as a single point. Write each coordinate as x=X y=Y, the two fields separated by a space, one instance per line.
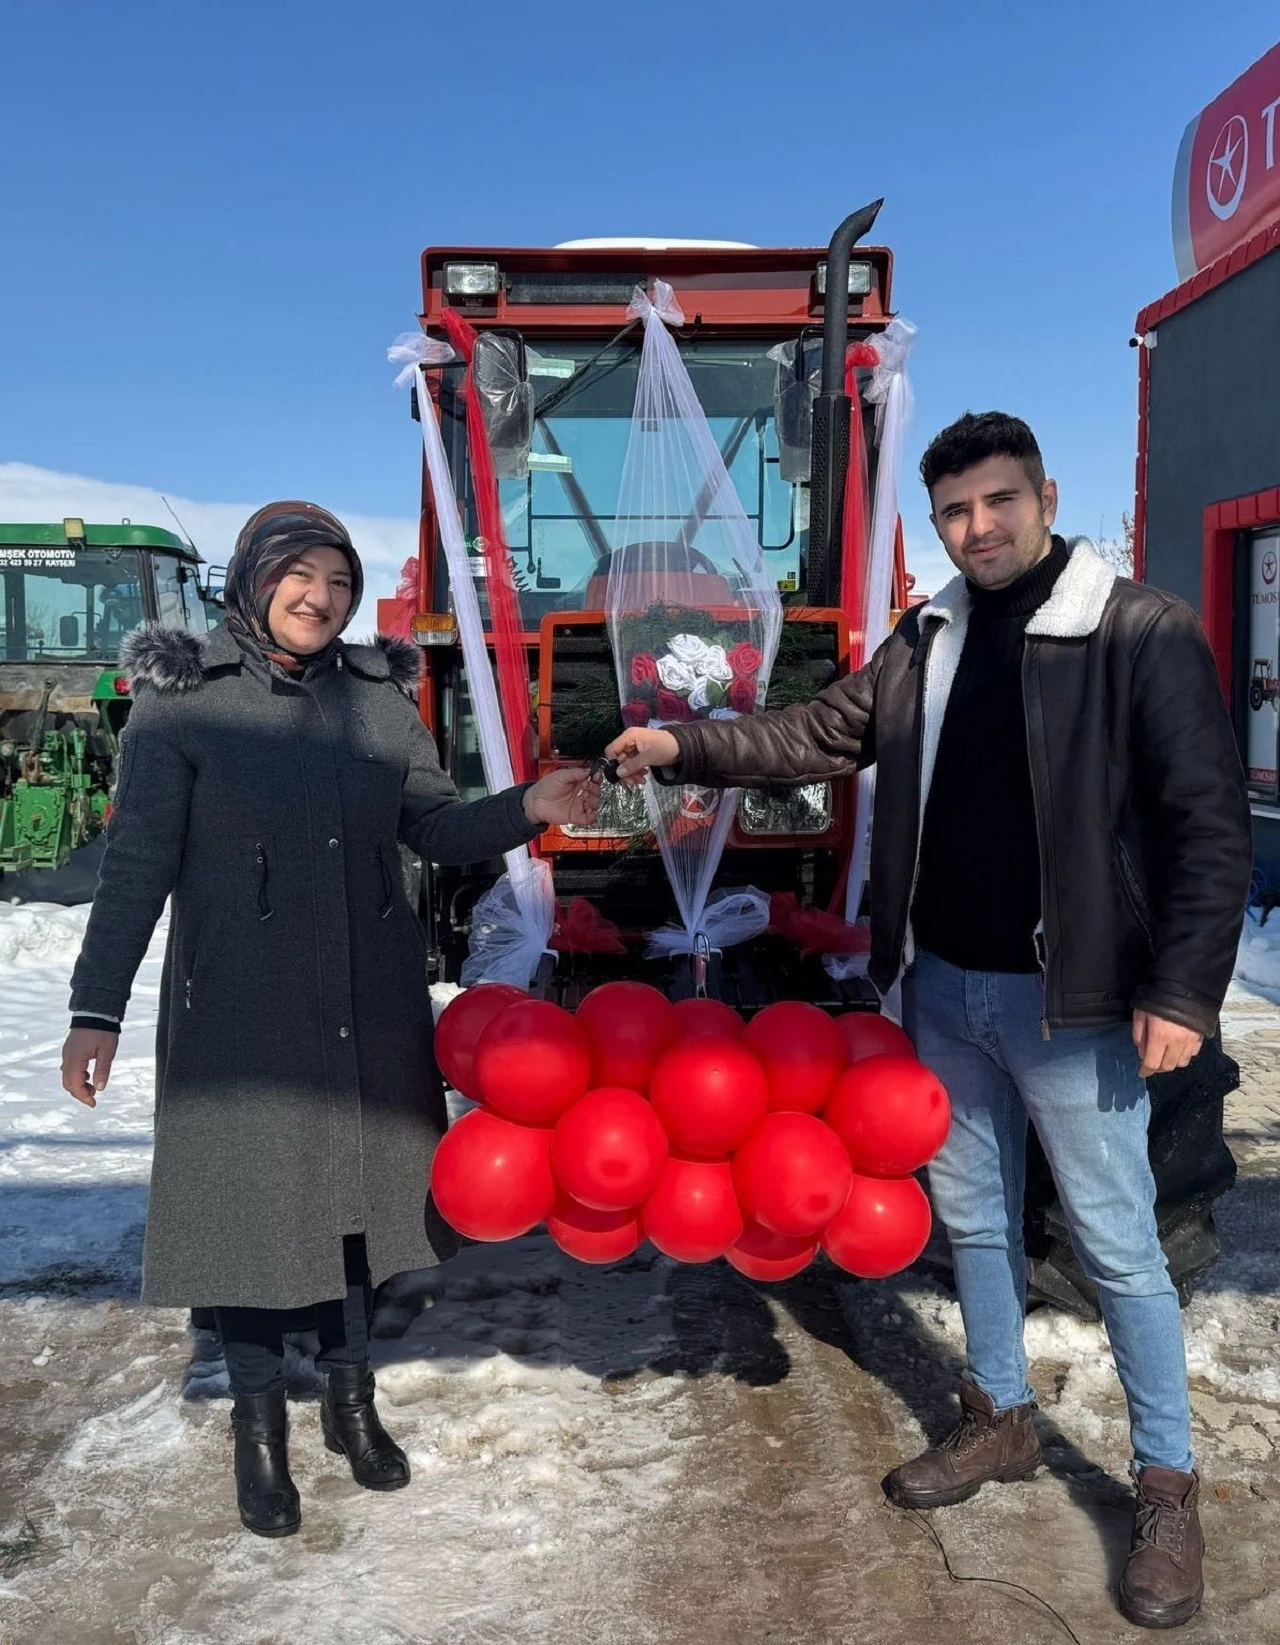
x=1258 y=957
x=132 y=1436
x=39 y=933
x=73 y=1179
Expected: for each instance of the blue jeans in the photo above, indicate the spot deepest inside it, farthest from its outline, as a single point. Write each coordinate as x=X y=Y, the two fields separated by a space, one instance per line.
x=980 y=1033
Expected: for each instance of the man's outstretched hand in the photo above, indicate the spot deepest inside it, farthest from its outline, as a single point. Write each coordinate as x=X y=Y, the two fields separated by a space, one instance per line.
x=1163 y=1046
x=639 y=748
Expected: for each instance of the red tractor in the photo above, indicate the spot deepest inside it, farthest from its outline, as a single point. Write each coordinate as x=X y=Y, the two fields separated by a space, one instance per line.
x=555 y=364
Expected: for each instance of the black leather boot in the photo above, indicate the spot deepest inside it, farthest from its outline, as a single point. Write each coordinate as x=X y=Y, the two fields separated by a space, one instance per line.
x=352 y=1429
x=266 y=1496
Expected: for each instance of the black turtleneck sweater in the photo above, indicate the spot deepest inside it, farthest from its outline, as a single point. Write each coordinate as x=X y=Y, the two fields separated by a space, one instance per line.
x=977 y=901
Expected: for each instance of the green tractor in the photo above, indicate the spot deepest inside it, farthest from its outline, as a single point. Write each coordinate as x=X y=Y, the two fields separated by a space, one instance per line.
x=70 y=593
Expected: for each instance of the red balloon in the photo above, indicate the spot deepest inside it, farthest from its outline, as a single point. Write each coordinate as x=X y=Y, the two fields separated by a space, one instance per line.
x=491 y=1179
x=882 y=1229
x=802 y=1054
x=712 y=1017
x=594 y=1236
x=462 y=1022
x=762 y=1254
x=693 y=1215
x=628 y=1025
x=609 y=1149
x=792 y=1174
x=891 y=1113
x=866 y=1034
x=532 y=1062
x=710 y=1094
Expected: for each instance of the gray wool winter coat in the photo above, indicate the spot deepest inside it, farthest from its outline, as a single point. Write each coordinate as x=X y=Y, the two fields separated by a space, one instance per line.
x=297 y=1097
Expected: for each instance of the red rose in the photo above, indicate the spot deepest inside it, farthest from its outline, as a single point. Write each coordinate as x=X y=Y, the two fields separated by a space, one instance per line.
x=644 y=669
x=672 y=707
x=741 y=696
x=636 y=712
x=745 y=661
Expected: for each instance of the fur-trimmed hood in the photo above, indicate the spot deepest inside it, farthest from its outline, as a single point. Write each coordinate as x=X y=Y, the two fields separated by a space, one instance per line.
x=176 y=660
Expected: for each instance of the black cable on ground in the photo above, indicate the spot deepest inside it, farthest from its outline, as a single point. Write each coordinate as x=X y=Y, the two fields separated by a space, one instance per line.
x=993 y=1581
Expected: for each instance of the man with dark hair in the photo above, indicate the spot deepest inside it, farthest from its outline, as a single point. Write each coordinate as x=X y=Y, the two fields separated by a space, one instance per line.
x=1059 y=866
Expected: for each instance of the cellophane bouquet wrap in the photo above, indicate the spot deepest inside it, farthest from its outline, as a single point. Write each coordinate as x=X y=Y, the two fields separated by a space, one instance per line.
x=694 y=616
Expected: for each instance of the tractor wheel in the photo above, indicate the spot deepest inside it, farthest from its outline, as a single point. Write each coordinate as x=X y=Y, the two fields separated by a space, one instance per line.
x=1257 y=696
x=1192 y=1166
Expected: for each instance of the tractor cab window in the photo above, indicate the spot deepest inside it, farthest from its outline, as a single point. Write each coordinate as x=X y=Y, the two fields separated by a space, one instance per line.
x=178 y=601
x=560 y=516
x=67 y=604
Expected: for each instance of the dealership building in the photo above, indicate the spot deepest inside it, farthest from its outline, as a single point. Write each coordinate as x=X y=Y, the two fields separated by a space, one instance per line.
x=1207 y=516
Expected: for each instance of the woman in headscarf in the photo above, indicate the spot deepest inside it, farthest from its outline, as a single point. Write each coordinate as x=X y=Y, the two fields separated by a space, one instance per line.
x=268 y=773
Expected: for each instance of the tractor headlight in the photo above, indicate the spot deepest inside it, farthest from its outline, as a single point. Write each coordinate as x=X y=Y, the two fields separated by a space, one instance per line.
x=806 y=810
x=471 y=279
x=859 y=279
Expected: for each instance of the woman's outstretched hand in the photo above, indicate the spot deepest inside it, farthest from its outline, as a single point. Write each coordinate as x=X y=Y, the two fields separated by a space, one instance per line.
x=87 y=1048
x=638 y=749
x=570 y=795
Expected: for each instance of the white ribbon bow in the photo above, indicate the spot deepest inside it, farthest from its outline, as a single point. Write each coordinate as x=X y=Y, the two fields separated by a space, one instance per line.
x=663 y=307
x=415 y=348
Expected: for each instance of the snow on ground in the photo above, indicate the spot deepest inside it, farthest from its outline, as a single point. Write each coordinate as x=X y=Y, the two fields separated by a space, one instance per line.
x=557 y=1417
x=72 y=1179
x=1258 y=957
x=525 y=1472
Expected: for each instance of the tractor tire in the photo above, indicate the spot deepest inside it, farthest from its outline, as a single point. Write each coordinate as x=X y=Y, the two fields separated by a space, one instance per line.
x=1192 y=1166
x=1257 y=696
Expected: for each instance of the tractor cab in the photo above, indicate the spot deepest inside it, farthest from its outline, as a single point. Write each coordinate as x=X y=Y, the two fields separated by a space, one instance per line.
x=554 y=363
x=69 y=593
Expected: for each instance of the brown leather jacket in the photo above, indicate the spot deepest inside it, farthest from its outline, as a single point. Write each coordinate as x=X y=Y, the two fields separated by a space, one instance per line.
x=1144 y=826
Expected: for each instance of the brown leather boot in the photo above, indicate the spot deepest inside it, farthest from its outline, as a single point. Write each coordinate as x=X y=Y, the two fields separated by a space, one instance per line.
x=988 y=1445
x=1163 y=1583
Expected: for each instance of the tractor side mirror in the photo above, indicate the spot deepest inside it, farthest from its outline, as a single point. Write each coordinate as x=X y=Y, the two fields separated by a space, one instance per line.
x=69 y=633
x=500 y=374
x=798 y=372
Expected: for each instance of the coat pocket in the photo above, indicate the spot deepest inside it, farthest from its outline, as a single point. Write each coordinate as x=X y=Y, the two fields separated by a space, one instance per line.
x=190 y=969
x=1134 y=895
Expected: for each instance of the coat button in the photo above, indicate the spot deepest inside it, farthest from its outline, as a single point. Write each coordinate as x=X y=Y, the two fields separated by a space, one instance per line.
x=344 y=1032
x=333 y=844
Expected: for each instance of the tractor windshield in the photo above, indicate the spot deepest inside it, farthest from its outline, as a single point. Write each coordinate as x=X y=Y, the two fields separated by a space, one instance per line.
x=560 y=516
x=67 y=604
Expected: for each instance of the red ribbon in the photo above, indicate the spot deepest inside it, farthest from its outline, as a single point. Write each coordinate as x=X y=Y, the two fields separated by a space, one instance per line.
x=581 y=928
x=504 y=602
x=406 y=602
x=855 y=528
x=812 y=931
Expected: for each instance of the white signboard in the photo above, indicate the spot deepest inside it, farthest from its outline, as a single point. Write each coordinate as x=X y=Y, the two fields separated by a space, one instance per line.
x=1263 y=661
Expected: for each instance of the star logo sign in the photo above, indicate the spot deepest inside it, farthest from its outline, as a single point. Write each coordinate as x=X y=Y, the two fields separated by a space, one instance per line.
x=1228 y=168
x=1269 y=566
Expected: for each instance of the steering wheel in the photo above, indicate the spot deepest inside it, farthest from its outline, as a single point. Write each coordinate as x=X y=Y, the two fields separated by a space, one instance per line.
x=677 y=556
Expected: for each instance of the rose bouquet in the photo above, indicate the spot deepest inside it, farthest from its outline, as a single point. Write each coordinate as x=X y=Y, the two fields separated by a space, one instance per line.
x=692 y=678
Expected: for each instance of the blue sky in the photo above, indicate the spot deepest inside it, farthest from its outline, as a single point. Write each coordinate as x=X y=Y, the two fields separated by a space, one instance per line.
x=212 y=215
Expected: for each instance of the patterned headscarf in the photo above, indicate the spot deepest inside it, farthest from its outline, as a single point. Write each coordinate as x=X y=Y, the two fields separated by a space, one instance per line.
x=269 y=542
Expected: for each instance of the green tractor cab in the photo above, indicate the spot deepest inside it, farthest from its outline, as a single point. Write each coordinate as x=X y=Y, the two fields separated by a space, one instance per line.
x=69 y=593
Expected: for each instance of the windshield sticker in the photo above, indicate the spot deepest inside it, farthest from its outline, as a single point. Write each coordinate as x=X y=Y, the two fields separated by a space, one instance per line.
x=31 y=558
x=556 y=462
x=542 y=365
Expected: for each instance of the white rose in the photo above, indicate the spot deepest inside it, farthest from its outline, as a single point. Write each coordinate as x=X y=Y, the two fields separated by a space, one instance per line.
x=688 y=648
x=676 y=675
x=715 y=665
x=700 y=697
x=722 y=714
